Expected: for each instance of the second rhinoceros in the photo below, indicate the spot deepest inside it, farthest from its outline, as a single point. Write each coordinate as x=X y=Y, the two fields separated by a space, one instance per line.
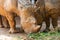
x=50 y=9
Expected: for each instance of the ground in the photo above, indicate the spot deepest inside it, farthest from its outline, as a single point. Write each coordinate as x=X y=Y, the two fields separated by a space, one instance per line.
x=4 y=35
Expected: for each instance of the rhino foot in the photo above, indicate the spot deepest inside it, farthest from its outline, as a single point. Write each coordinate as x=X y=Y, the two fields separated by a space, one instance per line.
x=11 y=31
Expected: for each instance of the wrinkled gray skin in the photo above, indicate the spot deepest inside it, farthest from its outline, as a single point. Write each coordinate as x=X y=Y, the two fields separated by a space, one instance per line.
x=50 y=9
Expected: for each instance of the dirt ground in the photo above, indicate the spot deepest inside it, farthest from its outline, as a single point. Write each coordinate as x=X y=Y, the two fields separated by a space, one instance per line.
x=4 y=35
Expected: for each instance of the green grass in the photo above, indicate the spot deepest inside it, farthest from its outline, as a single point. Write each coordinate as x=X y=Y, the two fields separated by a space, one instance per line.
x=45 y=36
x=40 y=36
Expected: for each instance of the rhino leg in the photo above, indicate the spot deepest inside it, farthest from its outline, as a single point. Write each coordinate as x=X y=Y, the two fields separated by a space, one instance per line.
x=54 y=22
x=12 y=24
x=1 y=25
x=47 y=21
x=5 y=22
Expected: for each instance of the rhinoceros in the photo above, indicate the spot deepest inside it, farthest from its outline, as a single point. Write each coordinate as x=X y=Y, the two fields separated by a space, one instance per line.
x=28 y=16
x=50 y=9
